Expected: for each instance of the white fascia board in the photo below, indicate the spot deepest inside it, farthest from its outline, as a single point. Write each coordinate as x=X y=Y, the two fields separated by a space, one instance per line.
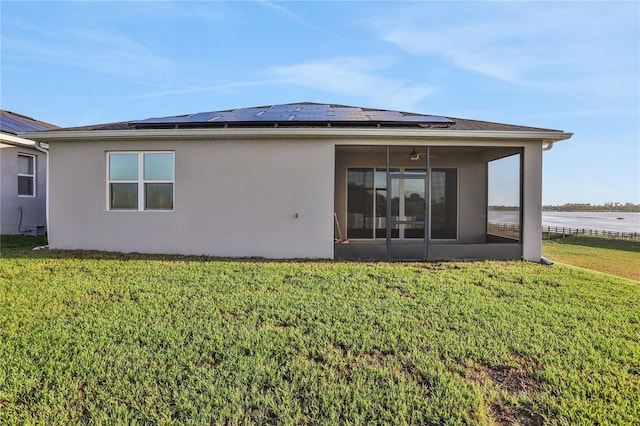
x=15 y=140
x=292 y=133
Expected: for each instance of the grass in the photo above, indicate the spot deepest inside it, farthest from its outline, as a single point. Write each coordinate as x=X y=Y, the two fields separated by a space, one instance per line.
x=106 y=338
x=620 y=257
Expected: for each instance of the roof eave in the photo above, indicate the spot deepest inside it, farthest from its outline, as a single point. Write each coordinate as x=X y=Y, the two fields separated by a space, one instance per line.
x=563 y=136
x=279 y=132
x=16 y=140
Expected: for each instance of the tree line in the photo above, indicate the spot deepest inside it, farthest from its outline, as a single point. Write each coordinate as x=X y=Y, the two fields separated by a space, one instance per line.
x=579 y=207
x=586 y=207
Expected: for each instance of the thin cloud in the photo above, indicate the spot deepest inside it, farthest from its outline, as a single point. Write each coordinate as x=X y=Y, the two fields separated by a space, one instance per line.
x=106 y=52
x=595 y=113
x=120 y=54
x=295 y=17
x=519 y=43
x=475 y=48
x=206 y=89
x=354 y=77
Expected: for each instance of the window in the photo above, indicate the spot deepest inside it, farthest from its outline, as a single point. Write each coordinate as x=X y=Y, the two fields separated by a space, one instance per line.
x=382 y=197
x=360 y=212
x=444 y=204
x=140 y=180
x=26 y=175
x=503 y=198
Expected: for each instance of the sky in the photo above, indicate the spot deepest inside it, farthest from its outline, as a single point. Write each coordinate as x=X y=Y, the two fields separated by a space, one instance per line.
x=572 y=66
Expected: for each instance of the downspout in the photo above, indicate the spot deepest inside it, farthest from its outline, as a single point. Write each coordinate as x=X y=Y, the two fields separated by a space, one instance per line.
x=44 y=148
x=547 y=144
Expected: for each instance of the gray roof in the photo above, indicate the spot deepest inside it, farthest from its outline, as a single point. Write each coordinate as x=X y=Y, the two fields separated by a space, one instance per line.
x=307 y=114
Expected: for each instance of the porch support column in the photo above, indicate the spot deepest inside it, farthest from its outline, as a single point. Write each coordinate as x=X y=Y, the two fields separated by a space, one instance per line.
x=427 y=204
x=387 y=220
x=532 y=202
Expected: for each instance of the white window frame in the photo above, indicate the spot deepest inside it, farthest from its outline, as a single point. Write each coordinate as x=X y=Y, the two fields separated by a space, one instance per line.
x=141 y=182
x=32 y=176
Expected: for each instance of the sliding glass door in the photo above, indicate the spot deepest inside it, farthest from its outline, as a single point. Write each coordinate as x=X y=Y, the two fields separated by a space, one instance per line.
x=409 y=188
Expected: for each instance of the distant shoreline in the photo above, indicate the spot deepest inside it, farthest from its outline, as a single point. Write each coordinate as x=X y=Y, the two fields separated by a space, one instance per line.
x=626 y=208
x=591 y=211
x=619 y=208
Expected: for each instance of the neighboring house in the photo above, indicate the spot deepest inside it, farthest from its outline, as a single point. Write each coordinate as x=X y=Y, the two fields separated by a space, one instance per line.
x=299 y=180
x=23 y=176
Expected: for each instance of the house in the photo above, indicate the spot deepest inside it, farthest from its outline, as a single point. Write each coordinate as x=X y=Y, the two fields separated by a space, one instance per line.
x=300 y=180
x=22 y=176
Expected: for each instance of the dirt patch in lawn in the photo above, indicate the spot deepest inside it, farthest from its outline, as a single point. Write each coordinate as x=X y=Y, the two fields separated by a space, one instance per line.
x=504 y=384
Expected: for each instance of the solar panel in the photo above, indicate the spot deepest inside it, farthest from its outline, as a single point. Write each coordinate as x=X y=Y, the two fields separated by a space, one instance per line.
x=307 y=113
x=15 y=125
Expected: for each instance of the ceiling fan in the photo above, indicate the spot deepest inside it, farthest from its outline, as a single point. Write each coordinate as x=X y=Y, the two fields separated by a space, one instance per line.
x=415 y=155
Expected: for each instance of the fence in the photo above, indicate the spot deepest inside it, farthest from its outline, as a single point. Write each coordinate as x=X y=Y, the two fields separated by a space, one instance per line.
x=507 y=230
x=555 y=231
x=510 y=230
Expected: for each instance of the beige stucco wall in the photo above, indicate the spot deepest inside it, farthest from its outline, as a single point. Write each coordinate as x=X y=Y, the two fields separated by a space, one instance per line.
x=235 y=198
x=532 y=202
x=33 y=208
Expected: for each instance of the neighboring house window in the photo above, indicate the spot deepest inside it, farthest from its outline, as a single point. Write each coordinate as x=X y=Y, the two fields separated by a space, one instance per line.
x=26 y=175
x=140 y=181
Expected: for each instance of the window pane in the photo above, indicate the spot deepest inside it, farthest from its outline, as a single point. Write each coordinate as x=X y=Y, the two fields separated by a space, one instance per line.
x=381 y=212
x=381 y=178
x=381 y=203
x=158 y=166
x=414 y=231
x=123 y=167
x=25 y=185
x=414 y=202
x=158 y=196
x=360 y=203
x=504 y=198
x=444 y=203
x=123 y=196
x=25 y=164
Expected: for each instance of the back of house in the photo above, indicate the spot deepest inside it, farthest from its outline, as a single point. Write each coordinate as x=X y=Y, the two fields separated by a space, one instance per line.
x=302 y=180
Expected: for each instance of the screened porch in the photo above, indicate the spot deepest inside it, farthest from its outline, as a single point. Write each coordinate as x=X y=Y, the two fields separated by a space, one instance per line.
x=427 y=202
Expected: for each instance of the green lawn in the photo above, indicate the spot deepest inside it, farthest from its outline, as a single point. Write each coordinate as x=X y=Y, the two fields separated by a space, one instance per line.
x=105 y=338
x=619 y=257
